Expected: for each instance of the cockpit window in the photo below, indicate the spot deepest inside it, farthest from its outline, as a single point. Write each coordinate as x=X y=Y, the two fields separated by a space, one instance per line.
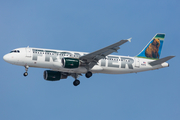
x=15 y=51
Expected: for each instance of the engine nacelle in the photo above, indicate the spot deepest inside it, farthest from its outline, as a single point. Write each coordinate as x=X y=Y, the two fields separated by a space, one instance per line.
x=53 y=75
x=70 y=62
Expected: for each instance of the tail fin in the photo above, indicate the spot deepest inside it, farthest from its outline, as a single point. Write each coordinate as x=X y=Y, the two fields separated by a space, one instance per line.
x=153 y=49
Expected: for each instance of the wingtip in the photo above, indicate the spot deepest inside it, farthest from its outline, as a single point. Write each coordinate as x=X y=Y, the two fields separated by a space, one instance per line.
x=129 y=39
x=171 y=56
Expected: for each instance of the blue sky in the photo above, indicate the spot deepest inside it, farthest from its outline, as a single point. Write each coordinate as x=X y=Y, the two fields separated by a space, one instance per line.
x=88 y=26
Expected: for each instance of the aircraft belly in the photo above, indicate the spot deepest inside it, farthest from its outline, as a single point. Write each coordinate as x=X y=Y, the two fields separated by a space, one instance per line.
x=74 y=70
x=41 y=65
x=108 y=70
x=97 y=69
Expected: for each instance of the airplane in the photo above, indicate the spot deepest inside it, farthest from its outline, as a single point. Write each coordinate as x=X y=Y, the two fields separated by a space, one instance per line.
x=61 y=63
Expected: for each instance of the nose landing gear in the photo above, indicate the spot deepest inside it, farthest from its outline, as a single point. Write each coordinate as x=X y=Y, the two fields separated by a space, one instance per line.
x=25 y=74
x=26 y=68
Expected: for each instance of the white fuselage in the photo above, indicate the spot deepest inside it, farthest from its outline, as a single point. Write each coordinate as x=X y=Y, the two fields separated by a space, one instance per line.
x=51 y=59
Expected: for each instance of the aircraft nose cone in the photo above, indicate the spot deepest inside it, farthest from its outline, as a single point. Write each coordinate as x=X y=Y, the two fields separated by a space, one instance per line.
x=6 y=58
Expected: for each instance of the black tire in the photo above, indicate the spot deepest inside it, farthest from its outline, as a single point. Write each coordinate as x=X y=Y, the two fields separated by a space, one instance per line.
x=76 y=82
x=25 y=74
x=88 y=74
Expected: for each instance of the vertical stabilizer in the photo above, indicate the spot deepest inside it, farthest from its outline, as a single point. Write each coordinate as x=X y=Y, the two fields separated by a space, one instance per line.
x=153 y=49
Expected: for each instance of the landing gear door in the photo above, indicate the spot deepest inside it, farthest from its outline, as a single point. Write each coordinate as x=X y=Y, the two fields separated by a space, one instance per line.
x=137 y=62
x=28 y=52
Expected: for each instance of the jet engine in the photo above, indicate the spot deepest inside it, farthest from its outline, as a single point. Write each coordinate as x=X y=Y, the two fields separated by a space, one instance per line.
x=53 y=75
x=70 y=63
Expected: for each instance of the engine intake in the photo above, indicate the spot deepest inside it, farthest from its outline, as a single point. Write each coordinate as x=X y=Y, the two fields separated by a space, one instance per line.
x=53 y=75
x=70 y=62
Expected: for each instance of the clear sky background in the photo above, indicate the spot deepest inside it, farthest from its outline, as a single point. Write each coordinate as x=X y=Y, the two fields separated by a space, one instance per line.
x=80 y=25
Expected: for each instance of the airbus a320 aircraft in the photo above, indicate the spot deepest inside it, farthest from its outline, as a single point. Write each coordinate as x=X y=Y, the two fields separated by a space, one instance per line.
x=62 y=64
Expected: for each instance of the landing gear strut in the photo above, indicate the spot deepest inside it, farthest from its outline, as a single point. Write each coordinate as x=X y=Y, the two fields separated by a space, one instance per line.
x=88 y=74
x=26 y=68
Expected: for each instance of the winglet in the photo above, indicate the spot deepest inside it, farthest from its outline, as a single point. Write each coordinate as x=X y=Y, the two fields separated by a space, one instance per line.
x=129 y=39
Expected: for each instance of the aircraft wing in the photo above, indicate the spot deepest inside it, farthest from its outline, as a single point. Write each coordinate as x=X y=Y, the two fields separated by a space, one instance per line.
x=91 y=59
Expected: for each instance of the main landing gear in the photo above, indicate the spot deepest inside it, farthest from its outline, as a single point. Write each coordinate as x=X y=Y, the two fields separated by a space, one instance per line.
x=75 y=75
x=76 y=81
x=88 y=74
x=26 y=68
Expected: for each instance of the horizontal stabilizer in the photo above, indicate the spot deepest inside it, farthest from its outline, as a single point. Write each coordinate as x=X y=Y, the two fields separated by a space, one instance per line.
x=160 y=61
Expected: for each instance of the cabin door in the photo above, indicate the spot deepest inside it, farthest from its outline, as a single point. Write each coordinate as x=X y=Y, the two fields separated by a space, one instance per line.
x=28 y=52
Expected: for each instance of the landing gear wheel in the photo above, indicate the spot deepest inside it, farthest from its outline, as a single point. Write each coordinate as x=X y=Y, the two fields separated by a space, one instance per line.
x=88 y=74
x=25 y=74
x=76 y=82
